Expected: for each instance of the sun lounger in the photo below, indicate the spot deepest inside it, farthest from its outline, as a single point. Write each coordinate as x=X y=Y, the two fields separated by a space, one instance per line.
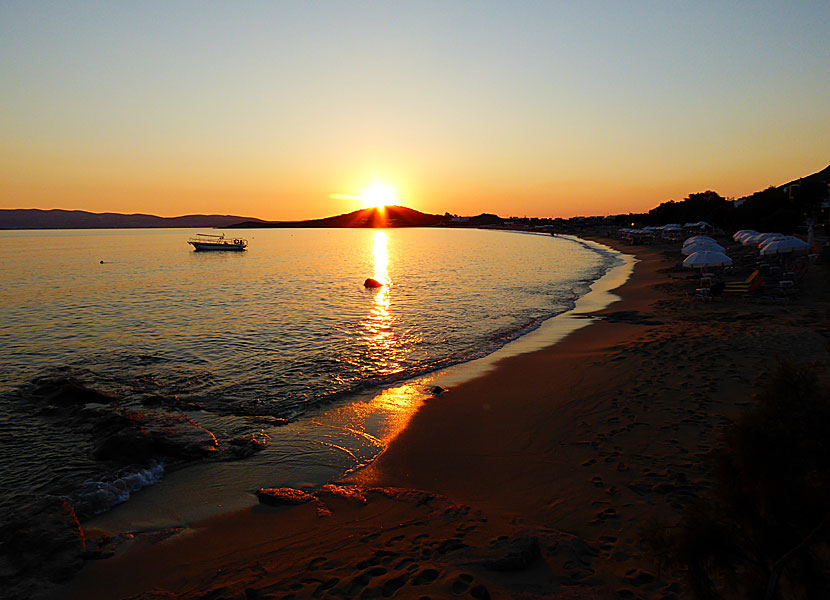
x=748 y=286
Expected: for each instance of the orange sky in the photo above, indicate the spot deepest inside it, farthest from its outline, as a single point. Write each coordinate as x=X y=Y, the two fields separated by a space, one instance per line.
x=544 y=110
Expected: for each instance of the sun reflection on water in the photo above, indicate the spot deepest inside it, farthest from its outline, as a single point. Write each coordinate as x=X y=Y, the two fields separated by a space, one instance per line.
x=384 y=349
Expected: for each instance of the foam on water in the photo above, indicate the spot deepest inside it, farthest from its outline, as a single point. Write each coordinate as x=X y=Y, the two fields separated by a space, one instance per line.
x=95 y=497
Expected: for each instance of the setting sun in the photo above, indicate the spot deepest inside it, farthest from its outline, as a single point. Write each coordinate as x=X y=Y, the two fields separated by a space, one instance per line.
x=379 y=195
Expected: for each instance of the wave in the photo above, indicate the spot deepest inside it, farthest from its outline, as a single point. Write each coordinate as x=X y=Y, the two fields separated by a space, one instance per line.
x=95 y=497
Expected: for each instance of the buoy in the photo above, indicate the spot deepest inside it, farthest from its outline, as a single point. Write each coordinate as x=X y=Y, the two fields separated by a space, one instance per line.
x=372 y=283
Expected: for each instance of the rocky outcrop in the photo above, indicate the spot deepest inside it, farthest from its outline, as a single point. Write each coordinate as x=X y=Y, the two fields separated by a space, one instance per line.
x=245 y=446
x=141 y=436
x=68 y=391
x=41 y=539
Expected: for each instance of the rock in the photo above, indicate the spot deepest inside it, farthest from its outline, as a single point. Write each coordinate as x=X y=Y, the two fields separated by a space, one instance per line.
x=437 y=390
x=42 y=539
x=372 y=283
x=246 y=446
x=138 y=437
x=283 y=496
x=68 y=391
x=349 y=492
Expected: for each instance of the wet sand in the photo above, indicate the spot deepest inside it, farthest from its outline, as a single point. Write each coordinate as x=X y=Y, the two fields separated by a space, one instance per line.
x=532 y=480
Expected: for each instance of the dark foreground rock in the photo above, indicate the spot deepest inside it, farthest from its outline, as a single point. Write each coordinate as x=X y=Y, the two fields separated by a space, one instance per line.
x=141 y=436
x=68 y=391
x=40 y=542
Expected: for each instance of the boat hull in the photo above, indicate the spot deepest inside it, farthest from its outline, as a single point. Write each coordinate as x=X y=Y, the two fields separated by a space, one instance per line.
x=209 y=247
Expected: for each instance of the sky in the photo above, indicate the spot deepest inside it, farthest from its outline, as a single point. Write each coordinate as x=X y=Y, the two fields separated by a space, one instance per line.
x=290 y=110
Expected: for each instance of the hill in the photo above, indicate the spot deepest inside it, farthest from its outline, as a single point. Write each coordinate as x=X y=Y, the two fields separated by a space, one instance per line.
x=389 y=216
x=33 y=218
x=818 y=180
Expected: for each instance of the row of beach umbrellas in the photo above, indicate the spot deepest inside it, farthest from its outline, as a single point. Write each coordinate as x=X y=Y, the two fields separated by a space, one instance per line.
x=771 y=243
x=669 y=228
x=702 y=251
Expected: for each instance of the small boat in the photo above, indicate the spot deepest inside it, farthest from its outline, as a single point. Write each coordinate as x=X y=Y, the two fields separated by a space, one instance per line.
x=205 y=241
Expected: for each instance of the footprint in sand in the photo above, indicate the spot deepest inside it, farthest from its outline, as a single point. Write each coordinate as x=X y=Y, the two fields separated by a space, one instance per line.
x=407 y=563
x=325 y=586
x=361 y=581
x=378 y=557
x=425 y=576
x=480 y=592
x=390 y=586
x=461 y=583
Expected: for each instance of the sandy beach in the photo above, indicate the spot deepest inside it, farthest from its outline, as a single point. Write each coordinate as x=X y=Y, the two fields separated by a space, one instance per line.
x=534 y=480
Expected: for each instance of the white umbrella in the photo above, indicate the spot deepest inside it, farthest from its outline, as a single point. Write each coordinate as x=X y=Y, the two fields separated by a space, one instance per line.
x=702 y=247
x=743 y=232
x=762 y=237
x=775 y=238
x=705 y=258
x=785 y=247
x=697 y=238
x=757 y=238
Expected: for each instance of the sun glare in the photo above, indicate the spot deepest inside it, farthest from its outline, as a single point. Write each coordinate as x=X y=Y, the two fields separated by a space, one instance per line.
x=379 y=195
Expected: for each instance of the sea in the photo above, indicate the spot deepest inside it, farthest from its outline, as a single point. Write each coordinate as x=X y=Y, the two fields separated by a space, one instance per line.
x=282 y=342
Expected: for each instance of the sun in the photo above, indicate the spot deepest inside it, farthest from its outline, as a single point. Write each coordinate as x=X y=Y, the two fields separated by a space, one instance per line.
x=378 y=195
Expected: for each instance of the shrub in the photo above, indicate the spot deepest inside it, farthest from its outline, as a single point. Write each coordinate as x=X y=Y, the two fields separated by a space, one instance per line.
x=765 y=530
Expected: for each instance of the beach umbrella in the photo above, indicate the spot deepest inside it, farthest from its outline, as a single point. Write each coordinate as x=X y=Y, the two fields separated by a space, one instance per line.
x=757 y=238
x=785 y=246
x=743 y=232
x=762 y=237
x=702 y=247
x=705 y=258
x=776 y=238
x=697 y=238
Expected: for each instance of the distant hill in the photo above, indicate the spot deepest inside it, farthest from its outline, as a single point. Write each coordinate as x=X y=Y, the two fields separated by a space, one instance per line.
x=32 y=218
x=389 y=216
x=817 y=181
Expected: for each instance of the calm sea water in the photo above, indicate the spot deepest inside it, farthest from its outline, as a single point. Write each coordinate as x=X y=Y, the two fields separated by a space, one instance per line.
x=283 y=329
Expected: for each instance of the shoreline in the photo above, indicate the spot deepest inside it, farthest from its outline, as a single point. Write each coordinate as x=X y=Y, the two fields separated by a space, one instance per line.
x=374 y=418
x=559 y=456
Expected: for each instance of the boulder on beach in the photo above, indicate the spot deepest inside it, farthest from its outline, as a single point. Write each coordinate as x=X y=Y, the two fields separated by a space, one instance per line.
x=283 y=496
x=372 y=283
